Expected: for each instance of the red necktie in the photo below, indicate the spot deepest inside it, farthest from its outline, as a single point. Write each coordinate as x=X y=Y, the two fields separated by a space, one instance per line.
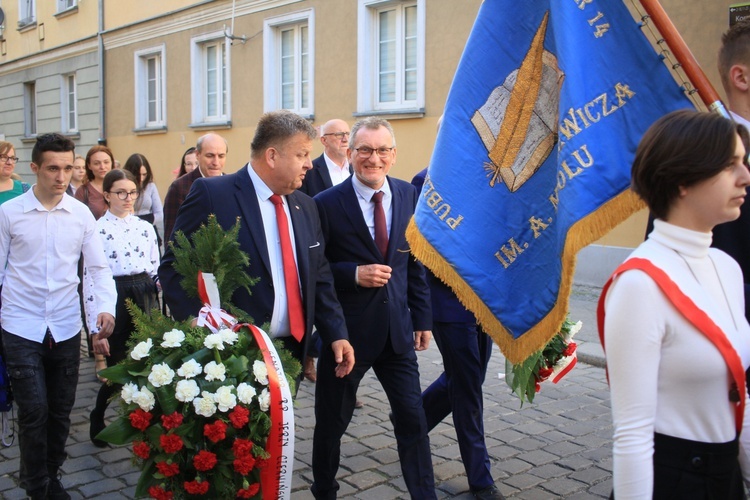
x=381 y=229
x=291 y=282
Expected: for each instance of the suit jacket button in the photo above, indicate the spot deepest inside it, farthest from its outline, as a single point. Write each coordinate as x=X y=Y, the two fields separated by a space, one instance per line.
x=385 y=301
x=697 y=462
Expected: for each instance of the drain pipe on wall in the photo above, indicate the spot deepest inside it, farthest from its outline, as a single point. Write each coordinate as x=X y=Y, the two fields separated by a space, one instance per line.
x=102 y=131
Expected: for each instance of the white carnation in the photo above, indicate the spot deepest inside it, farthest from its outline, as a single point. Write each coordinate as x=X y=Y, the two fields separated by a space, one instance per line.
x=190 y=369
x=145 y=399
x=160 y=375
x=228 y=336
x=575 y=329
x=261 y=372
x=186 y=390
x=246 y=393
x=225 y=399
x=205 y=406
x=141 y=350
x=264 y=400
x=128 y=392
x=173 y=338
x=215 y=371
x=214 y=341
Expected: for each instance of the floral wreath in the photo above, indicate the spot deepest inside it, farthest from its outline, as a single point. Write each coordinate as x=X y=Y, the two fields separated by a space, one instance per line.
x=207 y=409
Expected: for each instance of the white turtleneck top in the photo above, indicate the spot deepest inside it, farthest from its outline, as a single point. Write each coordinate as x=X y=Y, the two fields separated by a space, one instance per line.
x=666 y=376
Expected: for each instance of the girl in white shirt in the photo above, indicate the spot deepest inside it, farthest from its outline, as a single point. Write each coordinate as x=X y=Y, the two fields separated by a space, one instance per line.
x=131 y=250
x=675 y=392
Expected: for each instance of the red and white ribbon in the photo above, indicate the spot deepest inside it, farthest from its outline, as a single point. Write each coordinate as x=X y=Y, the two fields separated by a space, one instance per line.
x=563 y=367
x=276 y=479
x=211 y=314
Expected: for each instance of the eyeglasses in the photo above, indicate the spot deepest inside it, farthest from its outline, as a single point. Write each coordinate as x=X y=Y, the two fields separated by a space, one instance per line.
x=8 y=159
x=338 y=135
x=123 y=195
x=365 y=151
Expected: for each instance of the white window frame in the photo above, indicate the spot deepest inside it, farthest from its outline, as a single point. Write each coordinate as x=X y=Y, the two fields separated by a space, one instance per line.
x=368 y=99
x=272 y=30
x=143 y=94
x=26 y=13
x=69 y=103
x=30 y=110
x=63 y=5
x=199 y=82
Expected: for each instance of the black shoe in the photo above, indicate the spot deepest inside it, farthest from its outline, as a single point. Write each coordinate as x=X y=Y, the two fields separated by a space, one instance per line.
x=55 y=489
x=489 y=493
x=96 y=425
x=38 y=494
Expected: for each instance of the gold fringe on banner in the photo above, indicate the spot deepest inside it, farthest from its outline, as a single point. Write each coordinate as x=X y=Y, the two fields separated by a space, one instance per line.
x=581 y=234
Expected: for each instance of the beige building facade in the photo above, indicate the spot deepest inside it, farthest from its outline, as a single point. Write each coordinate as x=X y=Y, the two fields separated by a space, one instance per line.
x=151 y=77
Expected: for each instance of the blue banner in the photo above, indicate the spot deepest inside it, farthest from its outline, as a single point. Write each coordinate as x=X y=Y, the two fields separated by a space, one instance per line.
x=532 y=161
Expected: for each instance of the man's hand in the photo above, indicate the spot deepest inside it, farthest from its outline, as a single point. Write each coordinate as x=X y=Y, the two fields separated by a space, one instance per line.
x=373 y=275
x=343 y=353
x=422 y=339
x=100 y=345
x=105 y=323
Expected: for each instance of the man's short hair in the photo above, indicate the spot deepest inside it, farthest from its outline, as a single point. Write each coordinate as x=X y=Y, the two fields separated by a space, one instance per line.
x=735 y=49
x=681 y=149
x=371 y=123
x=199 y=144
x=56 y=143
x=276 y=127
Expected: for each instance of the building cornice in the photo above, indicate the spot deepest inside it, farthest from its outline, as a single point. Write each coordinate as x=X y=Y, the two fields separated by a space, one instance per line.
x=47 y=56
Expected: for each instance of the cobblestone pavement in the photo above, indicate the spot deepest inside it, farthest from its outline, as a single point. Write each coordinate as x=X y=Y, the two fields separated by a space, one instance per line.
x=558 y=447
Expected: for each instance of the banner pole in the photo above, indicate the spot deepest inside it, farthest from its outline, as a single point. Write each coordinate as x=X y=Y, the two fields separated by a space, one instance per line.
x=682 y=53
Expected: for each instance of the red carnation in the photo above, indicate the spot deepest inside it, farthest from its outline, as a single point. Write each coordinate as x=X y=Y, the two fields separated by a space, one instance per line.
x=570 y=349
x=216 y=431
x=244 y=464
x=140 y=419
x=196 y=487
x=537 y=387
x=544 y=373
x=159 y=493
x=239 y=417
x=261 y=463
x=242 y=447
x=141 y=449
x=167 y=470
x=204 y=460
x=249 y=491
x=171 y=443
x=172 y=421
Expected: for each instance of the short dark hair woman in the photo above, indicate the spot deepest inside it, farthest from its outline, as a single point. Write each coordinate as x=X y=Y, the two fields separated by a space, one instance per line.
x=677 y=341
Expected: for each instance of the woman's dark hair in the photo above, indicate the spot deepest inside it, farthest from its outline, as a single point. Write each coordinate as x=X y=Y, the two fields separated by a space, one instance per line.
x=190 y=150
x=97 y=149
x=681 y=149
x=134 y=164
x=117 y=174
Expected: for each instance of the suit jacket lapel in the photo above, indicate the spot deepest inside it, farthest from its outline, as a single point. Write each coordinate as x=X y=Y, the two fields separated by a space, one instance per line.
x=398 y=227
x=250 y=211
x=301 y=243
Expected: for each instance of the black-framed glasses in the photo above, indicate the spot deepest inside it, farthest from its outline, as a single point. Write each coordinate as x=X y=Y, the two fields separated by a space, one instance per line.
x=8 y=159
x=338 y=135
x=365 y=151
x=123 y=195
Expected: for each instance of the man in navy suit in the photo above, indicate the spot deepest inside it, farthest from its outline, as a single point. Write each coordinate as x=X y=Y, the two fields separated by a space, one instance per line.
x=386 y=304
x=280 y=157
x=329 y=169
x=466 y=351
x=332 y=167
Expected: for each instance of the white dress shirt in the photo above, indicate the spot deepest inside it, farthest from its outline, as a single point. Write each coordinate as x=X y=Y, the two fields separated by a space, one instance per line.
x=280 y=317
x=39 y=253
x=364 y=197
x=338 y=174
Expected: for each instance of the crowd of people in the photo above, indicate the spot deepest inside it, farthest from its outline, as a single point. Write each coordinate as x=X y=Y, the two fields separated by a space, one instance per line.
x=326 y=237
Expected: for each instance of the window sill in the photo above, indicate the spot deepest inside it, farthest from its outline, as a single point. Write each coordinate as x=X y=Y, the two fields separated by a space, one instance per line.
x=150 y=130
x=211 y=125
x=28 y=139
x=66 y=12
x=392 y=114
x=26 y=26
